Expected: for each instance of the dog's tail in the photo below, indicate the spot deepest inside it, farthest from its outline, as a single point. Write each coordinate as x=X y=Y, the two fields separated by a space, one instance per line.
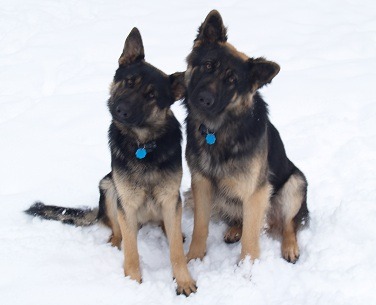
x=73 y=216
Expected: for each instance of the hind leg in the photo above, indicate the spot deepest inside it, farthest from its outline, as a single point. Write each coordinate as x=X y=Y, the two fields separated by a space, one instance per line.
x=291 y=200
x=233 y=234
x=115 y=238
x=108 y=205
x=290 y=248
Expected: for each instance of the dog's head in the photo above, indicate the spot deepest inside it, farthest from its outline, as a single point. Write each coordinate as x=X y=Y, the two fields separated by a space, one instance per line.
x=218 y=76
x=140 y=93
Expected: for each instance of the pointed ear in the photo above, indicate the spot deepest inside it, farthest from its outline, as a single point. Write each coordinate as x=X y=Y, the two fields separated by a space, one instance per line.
x=133 y=49
x=262 y=71
x=212 y=29
x=178 y=85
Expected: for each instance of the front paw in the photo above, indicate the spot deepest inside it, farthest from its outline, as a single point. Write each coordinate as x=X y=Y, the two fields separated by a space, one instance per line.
x=186 y=287
x=253 y=254
x=195 y=253
x=133 y=273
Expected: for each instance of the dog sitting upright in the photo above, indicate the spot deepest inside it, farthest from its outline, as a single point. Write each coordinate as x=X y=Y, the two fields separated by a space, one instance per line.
x=145 y=142
x=237 y=160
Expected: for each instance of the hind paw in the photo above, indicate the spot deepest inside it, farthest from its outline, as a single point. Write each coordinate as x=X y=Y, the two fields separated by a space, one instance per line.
x=290 y=251
x=233 y=235
x=115 y=241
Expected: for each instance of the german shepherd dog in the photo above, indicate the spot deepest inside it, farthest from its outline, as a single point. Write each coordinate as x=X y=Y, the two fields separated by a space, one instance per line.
x=237 y=160
x=145 y=143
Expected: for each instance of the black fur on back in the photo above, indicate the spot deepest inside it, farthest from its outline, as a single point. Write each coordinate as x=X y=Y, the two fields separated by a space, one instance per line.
x=280 y=166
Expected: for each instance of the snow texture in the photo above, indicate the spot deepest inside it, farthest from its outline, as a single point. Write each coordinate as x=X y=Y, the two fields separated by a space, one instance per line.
x=57 y=59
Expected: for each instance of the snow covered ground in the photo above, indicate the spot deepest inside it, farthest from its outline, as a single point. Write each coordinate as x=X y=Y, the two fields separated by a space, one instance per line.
x=57 y=59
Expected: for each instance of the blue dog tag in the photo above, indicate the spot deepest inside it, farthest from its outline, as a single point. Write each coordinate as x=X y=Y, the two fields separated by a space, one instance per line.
x=210 y=138
x=140 y=153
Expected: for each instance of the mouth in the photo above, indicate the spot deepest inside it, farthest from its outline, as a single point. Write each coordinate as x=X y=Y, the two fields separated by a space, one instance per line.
x=129 y=122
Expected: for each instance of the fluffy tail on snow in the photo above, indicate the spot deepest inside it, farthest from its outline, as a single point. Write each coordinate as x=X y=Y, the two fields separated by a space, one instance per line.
x=73 y=216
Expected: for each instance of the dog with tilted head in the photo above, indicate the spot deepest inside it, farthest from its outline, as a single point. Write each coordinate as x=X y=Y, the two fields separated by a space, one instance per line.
x=145 y=143
x=238 y=164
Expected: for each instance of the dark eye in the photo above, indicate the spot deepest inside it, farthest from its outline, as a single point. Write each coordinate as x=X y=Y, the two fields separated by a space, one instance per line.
x=130 y=83
x=151 y=95
x=232 y=79
x=208 y=65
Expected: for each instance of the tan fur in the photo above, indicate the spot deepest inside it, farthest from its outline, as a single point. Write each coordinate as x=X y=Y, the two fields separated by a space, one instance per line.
x=290 y=248
x=157 y=118
x=112 y=87
x=242 y=184
x=254 y=211
x=286 y=205
x=111 y=211
x=234 y=51
x=129 y=227
x=152 y=202
x=233 y=234
x=172 y=213
x=188 y=74
x=251 y=189
x=131 y=199
x=291 y=195
x=240 y=104
x=202 y=196
x=231 y=177
x=135 y=197
x=146 y=166
x=242 y=193
x=197 y=43
x=119 y=88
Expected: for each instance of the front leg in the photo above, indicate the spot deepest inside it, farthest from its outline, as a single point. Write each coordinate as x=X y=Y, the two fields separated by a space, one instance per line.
x=129 y=200
x=202 y=199
x=254 y=211
x=172 y=211
x=129 y=229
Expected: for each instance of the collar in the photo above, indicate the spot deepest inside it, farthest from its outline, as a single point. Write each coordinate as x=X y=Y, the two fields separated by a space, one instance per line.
x=209 y=134
x=144 y=149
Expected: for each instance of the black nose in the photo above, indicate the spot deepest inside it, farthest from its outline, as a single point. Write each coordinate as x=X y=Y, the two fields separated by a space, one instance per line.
x=122 y=111
x=206 y=98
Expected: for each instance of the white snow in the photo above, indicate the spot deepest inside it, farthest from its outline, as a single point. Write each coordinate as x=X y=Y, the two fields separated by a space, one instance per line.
x=57 y=59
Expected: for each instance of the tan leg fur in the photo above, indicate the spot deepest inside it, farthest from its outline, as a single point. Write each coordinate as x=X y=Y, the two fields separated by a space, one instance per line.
x=254 y=211
x=202 y=197
x=130 y=199
x=172 y=213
